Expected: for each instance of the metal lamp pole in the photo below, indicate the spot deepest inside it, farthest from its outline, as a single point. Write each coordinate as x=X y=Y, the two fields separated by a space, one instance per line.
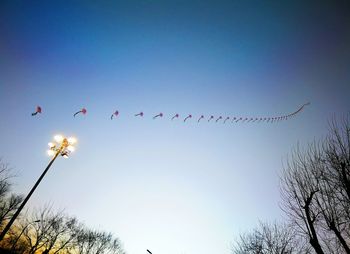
x=62 y=150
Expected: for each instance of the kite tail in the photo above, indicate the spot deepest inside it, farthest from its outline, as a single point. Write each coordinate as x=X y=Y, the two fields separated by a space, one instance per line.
x=35 y=113
x=300 y=109
x=77 y=113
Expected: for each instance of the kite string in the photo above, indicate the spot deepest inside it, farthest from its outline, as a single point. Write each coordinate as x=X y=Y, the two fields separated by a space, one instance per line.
x=234 y=119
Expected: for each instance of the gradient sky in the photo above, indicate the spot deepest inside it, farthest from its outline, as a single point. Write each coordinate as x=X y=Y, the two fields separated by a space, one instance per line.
x=167 y=186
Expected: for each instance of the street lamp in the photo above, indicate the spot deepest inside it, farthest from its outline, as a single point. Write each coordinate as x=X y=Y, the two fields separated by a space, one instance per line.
x=61 y=146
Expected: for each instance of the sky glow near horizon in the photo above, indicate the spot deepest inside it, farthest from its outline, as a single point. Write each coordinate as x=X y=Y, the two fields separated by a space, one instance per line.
x=168 y=186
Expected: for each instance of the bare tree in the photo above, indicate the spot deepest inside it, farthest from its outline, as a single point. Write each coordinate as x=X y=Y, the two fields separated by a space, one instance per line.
x=316 y=191
x=49 y=232
x=36 y=236
x=46 y=231
x=333 y=174
x=270 y=239
x=55 y=232
x=97 y=242
x=8 y=202
x=299 y=188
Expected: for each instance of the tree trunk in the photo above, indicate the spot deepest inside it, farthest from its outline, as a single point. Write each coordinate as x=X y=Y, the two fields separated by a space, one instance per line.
x=313 y=238
x=340 y=237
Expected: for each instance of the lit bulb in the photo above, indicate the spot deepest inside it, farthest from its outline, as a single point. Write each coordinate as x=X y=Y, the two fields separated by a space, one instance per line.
x=71 y=148
x=50 y=152
x=51 y=144
x=65 y=156
x=72 y=140
x=58 y=138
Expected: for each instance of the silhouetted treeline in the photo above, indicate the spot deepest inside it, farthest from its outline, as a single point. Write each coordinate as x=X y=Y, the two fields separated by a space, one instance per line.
x=315 y=189
x=46 y=231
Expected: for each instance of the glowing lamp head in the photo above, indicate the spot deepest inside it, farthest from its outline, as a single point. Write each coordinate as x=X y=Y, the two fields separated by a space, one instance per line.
x=58 y=138
x=72 y=140
x=62 y=145
x=50 y=152
x=71 y=148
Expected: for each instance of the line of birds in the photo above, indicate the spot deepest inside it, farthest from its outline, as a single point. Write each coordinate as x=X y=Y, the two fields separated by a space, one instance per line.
x=83 y=111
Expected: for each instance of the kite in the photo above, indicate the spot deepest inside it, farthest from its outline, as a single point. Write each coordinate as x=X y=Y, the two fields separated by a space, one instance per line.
x=274 y=119
x=149 y=252
x=220 y=117
x=225 y=118
x=300 y=109
x=159 y=115
x=37 y=110
x=140 y=114
x=83 y=111
x=115 y=114
x=175 y=116
x=187 y=117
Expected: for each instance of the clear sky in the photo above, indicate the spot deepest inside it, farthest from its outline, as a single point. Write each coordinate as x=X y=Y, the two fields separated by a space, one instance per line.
x=167 y=186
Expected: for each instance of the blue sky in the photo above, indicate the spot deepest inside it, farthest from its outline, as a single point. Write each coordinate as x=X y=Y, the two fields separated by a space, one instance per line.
x=158 y=184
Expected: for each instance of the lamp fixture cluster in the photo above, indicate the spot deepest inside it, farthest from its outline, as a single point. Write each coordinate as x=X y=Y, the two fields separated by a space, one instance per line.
x=62 y=146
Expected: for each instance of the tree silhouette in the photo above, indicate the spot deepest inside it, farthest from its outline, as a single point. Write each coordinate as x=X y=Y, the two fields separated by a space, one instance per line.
x=270 y=239
x=316 y=191
x=8 y=202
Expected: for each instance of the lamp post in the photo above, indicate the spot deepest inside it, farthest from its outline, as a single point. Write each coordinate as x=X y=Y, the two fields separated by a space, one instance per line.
x=62 y=146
